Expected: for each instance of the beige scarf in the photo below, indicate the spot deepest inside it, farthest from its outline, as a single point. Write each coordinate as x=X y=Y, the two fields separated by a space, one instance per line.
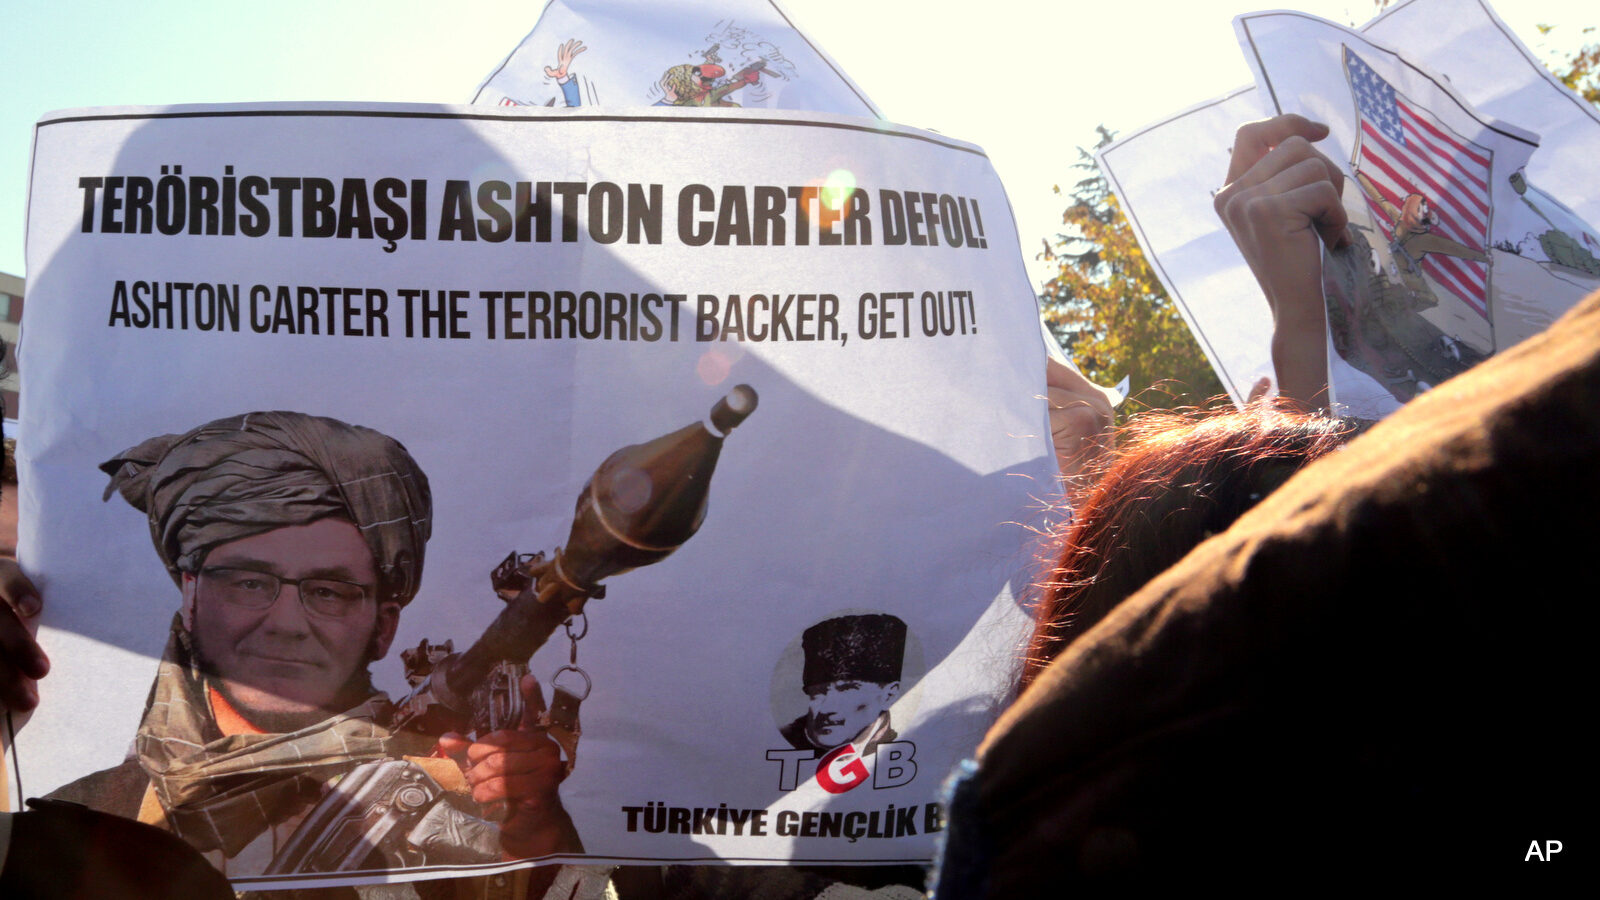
x=221 y=792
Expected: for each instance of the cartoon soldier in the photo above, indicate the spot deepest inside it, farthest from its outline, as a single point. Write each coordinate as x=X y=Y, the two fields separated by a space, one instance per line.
x=1411 y=235
x=691 y=85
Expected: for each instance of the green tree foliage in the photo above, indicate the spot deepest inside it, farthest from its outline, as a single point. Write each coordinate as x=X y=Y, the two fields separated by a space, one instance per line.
x=1108 y=308
x=1582 y=71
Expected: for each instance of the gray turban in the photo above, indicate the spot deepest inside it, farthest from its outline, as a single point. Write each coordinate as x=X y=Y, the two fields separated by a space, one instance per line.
x=250 y=474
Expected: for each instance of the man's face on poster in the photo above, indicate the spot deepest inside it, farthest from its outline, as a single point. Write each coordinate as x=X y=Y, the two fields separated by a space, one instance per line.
x=840 y=710
x=288 y=658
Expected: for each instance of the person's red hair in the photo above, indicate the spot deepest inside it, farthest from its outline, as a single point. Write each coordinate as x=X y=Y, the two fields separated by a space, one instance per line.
x=1173 y=480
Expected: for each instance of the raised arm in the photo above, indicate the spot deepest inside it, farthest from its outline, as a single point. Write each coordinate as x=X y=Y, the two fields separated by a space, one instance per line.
x=1281 y=204
x=1080 y=419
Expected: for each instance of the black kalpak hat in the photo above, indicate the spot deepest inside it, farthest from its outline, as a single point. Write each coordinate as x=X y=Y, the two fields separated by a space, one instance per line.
x=854 y=648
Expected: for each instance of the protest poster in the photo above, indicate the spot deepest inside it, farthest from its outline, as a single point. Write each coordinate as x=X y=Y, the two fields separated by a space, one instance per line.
x=1170 y=207
x=1493 y=70
x=691 y=54
x=540 y=307
x=1456 y=255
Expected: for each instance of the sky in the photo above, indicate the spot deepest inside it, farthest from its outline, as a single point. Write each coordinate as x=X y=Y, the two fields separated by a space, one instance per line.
x=1028 y=80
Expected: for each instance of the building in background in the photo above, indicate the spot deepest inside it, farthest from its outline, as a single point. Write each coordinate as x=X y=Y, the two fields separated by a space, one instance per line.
x=10 y=322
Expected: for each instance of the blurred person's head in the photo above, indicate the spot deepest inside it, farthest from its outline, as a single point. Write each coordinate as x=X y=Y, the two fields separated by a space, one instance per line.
x=1173 y=480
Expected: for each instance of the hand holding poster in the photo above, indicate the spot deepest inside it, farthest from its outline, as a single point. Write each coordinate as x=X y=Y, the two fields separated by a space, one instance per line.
x=1435 y=279
x=465 y=320
x=1171 y=207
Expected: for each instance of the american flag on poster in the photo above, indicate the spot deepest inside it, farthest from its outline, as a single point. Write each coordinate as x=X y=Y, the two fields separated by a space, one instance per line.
x=1405 y=151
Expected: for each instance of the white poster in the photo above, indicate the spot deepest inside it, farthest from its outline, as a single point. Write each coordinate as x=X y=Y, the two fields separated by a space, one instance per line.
x=1170 y=207
x=1164 y=175
x=616 y=53
x=797 y=542
x=1457 y=254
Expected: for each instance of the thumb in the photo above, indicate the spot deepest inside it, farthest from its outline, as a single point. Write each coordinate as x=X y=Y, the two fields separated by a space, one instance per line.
x=532 y=702
x=451 y=745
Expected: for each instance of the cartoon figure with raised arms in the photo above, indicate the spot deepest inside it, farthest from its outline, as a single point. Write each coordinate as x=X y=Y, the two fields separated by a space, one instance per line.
x=565 y=54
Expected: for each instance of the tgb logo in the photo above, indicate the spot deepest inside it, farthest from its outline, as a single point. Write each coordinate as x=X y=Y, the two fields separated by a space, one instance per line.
x=842 y=769
x=853 y=663
x=888 y=764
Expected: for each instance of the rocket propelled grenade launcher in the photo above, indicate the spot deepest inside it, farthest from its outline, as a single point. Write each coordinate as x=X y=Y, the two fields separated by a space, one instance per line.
x=645 y=501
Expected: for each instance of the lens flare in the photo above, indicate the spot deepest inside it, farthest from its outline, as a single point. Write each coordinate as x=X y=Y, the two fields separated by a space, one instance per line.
x=714 y=366
x=838 y=187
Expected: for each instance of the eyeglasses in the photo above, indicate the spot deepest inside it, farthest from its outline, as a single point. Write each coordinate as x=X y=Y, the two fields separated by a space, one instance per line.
x=250 y=589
